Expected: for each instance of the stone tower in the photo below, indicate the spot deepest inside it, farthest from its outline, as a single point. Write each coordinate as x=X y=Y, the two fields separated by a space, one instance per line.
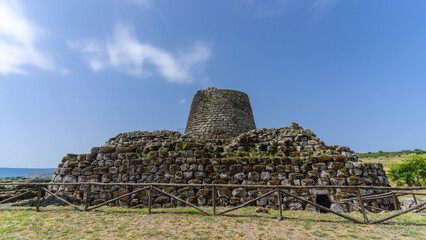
x=219 y=114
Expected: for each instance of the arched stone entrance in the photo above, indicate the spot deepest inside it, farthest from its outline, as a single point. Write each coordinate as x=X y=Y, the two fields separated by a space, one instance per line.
x=324 y=201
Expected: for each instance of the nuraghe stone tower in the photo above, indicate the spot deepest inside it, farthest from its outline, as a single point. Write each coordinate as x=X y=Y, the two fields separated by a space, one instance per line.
x=219 y=114
x=221 y=146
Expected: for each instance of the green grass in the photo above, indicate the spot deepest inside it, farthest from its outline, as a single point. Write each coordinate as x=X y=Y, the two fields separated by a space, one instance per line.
x=188 y=223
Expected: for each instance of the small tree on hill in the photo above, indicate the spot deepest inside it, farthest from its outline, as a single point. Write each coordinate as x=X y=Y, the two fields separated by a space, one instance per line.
x=412 y=170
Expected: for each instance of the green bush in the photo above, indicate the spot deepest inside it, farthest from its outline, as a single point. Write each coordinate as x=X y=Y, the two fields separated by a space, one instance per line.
x=412 y=170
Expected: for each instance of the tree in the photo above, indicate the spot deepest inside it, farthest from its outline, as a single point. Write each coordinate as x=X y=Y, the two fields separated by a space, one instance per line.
x=411 y=170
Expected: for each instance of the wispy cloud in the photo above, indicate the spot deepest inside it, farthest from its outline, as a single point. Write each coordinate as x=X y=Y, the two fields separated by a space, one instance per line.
x=18 y=36
x=143 y=3
x=318 y=8
x=182 y=101
x=321 y=7
x=268 y=8
x=125 y=53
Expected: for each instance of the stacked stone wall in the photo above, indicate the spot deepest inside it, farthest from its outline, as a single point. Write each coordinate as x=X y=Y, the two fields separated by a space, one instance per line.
x=285 y=156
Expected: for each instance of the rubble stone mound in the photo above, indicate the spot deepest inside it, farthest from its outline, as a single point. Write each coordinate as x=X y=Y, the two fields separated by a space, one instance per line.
x=278 y=156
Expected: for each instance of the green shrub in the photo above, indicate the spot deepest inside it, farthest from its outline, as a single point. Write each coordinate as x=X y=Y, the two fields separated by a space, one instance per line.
x=412 y=170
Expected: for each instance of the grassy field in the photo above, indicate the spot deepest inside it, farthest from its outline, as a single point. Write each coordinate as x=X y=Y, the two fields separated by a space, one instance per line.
x=386 y=161
x=386 y=158
x=186 y=223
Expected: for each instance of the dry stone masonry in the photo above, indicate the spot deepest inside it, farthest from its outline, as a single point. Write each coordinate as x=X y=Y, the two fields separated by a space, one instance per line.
x=282 y=156
x=219 y=114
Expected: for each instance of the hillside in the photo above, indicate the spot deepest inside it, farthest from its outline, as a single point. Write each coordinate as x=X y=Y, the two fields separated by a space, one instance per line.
x=386 y=158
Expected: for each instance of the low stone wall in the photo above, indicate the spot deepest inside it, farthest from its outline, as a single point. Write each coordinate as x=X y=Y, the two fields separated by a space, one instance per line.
x=8 y=191
x=113 y=165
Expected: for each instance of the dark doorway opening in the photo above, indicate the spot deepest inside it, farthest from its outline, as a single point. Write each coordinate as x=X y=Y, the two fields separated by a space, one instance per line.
x=324 y=201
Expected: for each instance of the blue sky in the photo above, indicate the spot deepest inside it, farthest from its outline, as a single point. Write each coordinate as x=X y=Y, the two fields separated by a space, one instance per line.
x=75 y=73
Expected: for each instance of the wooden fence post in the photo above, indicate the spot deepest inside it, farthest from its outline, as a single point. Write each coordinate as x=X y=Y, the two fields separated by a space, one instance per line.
x=87 y=204
x=280 y=202
x=362 y=205
x=149 y=199
x=414 y=197
x=38 y=198
x=129 y=189
x=214 y=200
x=394 y=201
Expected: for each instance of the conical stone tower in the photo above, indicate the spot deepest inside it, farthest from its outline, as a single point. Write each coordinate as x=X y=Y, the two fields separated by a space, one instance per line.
x=219 y=114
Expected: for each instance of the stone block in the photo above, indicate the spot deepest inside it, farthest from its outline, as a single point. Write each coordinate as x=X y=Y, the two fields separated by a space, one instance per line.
x=162 y=200
x=200 y=175
x=201 y=201
x=234 y=201
x=353 y=180
x=323 y=181
x=265 y=176
x=239 y=192
x=220 y=168
x=254 y=176
x=307 y=182
x=319 y=166
x=339 y=181
x=223 y=192
x=295 y=176
x=225 y=176
x=106 y=149
x=186 y=192
x=188 y=175
x=280 y=168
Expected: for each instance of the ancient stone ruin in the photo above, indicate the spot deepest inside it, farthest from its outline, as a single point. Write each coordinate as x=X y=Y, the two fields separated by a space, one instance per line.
x=219 y=114
x=221 y=145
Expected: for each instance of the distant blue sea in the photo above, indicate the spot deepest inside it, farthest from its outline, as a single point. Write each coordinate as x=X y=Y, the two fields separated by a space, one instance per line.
x=25 y=172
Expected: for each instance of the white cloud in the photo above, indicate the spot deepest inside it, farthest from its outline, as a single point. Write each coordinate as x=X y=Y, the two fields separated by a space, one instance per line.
x=94 y=52
x=182 y=101
x=124 y=52
x=321 y=7
x=17 y=41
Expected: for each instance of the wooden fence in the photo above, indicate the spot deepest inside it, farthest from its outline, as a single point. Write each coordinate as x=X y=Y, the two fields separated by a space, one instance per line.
x=280 y=190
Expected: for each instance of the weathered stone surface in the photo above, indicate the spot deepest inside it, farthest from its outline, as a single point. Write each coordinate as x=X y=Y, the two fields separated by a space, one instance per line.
x=219 y=113
x=239 y=192
x=407 y=203
x=224 y=192
x=278 y=156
